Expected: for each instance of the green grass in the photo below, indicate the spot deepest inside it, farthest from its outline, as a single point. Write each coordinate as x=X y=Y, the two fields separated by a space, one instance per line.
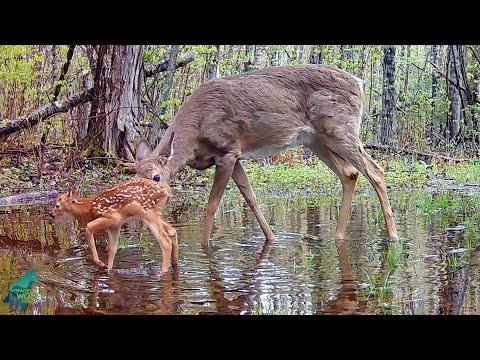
x=395 y=254
x=317 y=176
x=143 y=243
x=313 y=176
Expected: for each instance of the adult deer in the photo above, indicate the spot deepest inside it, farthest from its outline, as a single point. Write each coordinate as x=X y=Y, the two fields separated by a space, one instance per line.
x=259 y=113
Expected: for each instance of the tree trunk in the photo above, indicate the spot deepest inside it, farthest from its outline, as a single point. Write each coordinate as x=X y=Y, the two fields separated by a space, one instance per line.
x=456 y=96
x=299 y=53
x=247 y=65
x=124 y=108
x=316 y=55
x=257 y=56
x=83 y=110
x=113 y=126
x=63 y=74
x=275 y=60
x=212 y=69
x=55 y=60
x=346 y=56
x=435 y=121
x=157 y=125
x=388 y=95
x=92 y=143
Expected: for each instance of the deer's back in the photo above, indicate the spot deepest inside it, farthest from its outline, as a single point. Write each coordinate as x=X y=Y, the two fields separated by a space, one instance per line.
x=284 y=89
x=277 y=106
x=136 y=194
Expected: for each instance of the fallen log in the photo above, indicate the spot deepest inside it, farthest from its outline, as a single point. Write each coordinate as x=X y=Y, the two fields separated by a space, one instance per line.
x=35 y=197
x=426 y=156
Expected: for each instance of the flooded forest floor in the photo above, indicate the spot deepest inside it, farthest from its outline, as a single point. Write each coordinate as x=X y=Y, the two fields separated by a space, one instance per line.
x=433 y=269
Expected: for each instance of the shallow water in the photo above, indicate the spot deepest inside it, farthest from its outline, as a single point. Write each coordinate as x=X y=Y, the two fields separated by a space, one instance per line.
x=430 y=271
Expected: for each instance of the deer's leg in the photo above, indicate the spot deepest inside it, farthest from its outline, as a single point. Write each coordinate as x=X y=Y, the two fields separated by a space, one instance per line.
x=92 y=227
x=113 y=235
x=154 y=222
x=170 y=232
x=174 y=247
x=245 y=188
x=348 y=175
x=223 y=171
x=376 y=177
x=351 y=149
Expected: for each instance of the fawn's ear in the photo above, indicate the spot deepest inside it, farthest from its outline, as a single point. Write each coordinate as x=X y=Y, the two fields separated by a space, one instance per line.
x=143 y=150
x=73 y=193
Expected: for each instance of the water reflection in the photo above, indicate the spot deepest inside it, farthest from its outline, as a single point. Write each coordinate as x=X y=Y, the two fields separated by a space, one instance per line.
x=305 y=271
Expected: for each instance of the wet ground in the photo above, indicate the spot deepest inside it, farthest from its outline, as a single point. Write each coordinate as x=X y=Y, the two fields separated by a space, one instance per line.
x=432 y=270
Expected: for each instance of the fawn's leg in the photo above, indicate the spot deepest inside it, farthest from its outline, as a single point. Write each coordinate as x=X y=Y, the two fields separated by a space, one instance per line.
x=113 y=235
x=154 y=222
x=96 y=225
x=170 y=232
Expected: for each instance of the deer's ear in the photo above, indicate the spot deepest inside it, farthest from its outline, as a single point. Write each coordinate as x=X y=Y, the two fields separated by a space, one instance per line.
x=143 y=150
x=164 y=148
x=73 y=193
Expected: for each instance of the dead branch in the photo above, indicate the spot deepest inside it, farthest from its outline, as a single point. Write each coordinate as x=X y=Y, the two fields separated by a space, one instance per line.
x=474 y=52
x=44 y=113
x=421 y=155
x=454 y=83
x=64 y=72
x=162 y=66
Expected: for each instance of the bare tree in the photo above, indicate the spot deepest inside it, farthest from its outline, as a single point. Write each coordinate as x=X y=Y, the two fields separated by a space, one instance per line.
x=457 y=95
x=258 y=55
x=388 y=95
x=249 y=55
x=212 y=69
x=435 y=122
x=316 y=55
x=158 y=124
x=299 y=50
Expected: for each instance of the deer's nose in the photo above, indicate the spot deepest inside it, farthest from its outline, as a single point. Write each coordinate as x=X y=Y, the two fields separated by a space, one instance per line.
x=156 y=177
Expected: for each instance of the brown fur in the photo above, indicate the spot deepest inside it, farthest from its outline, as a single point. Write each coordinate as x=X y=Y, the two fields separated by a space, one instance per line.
x=109 y=210
x=261 y=113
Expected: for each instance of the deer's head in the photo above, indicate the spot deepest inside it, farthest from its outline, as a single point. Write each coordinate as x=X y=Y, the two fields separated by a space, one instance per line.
x=151 y=164
x=63 y=205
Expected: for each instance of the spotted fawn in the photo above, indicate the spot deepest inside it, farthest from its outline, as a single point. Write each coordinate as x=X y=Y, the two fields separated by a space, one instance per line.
x=138 y=198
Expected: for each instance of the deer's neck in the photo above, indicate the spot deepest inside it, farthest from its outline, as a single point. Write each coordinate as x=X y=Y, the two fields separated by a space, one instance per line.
x=181 y=151
x=82 y=209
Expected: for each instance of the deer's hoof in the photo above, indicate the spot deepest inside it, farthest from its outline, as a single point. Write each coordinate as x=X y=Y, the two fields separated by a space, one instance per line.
x=100 y=264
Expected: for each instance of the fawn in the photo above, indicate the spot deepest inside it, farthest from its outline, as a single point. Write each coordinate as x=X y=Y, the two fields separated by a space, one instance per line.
x=109 y=210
